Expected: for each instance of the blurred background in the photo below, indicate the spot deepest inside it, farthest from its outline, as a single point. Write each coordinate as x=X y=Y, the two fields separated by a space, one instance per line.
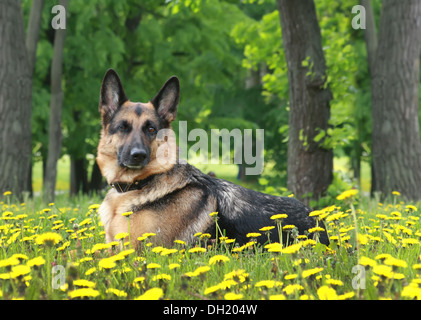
x=236 y=61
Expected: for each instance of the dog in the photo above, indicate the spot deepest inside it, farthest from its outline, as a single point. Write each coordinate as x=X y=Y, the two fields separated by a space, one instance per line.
x=172 y=199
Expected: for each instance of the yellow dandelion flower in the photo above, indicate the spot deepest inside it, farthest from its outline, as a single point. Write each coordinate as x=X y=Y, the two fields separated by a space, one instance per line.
x=116 y=292
x=94 y=206
x=347 y=295
x=174 y=266
x=316 y=229
x=291 y=276
x=213 y=214
x=38 y=261
x=288 y=227
x=180 y=242
x=7 y=193
x=253 y=235
x=218 y=259
x=279 y=216
x=268 y=284
x=106 y=263
x=20 y=256
x=396 y=193
x=335 y=216
x=166 y=252
x=197 y=250
x=390 y=261
x=211 y=289
x=152 y=294
x=411 y=292
x=292 y=248
x=347 y=194
x=315 y=213
x=274 y=247
x=327 y=293
x=309 y=242
x=311 y=272
x=410 y=241
x=161 y=276
x=267 y=228
x=292 y=288
x=83 y=293
x=127 y=214
x=238 y=275
x=227 y=284
x=334 y=282
x=49 y=239
x=19 y=271
x=382 y=270
x=84 y=283
x=364 y=261
x=277 y=297
x=121 y=235
x=153 y=266
x=383 y=256
x=411 y=208
x=90 y=271
x=233 y=296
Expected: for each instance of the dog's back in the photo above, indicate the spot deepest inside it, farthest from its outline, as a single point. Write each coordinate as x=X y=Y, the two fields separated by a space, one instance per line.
x=241 y=210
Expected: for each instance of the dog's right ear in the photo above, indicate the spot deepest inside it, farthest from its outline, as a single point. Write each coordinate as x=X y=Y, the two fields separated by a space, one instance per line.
x=112 y=96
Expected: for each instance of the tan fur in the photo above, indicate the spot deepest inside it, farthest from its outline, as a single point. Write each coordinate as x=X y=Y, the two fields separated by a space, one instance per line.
x=169 y=223
x=107 y=153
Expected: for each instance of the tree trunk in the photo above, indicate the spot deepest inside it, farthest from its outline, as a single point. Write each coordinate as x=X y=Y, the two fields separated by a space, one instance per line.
x=395 y=80
x=96 y=183
x=54 y=134
x=370 y=37
x=78 y=176
x=32 y=37
x=309 y=165
x=370 y=34
x=15 y=100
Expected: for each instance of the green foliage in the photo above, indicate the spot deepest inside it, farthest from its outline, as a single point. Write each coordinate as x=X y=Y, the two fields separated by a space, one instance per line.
x=215 y=47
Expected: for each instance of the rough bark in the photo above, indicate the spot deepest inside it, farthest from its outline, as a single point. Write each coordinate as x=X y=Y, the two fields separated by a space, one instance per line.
x=15 y=100
x=309 y=165
x=56 y=102
x=395 y=81
x=32 y=36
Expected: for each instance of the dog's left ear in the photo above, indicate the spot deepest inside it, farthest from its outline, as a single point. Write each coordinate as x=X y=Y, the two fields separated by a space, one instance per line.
x=166 y=101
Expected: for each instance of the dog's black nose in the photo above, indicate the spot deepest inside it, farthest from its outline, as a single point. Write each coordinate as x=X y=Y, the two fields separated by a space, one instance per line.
x=138 y=154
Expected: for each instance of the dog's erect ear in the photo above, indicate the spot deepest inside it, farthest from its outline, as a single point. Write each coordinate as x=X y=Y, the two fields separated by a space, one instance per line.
x=166 y=101
x=112 y=95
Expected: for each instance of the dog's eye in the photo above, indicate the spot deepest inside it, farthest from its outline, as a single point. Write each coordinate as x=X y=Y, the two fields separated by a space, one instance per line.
x=124 y=126
x=151 y=130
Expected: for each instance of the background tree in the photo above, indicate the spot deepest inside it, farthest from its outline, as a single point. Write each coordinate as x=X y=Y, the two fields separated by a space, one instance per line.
x=56 y=103
x=395 y=100
x=32 y=36
x=309 y=164
x=15 y=100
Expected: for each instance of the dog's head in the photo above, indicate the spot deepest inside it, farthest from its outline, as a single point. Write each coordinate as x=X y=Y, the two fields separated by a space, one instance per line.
x=131 y=136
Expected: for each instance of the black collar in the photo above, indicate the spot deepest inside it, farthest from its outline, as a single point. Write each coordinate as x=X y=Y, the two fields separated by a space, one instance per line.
x=122 y=187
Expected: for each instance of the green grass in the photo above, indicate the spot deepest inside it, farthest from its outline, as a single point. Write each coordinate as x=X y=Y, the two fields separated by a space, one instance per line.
x=310 y=271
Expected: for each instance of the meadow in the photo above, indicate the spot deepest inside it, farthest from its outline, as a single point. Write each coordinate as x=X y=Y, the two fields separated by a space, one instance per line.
x=58 y=251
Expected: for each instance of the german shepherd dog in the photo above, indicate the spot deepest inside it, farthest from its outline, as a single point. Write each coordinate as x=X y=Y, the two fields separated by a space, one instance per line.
x=169 y=198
